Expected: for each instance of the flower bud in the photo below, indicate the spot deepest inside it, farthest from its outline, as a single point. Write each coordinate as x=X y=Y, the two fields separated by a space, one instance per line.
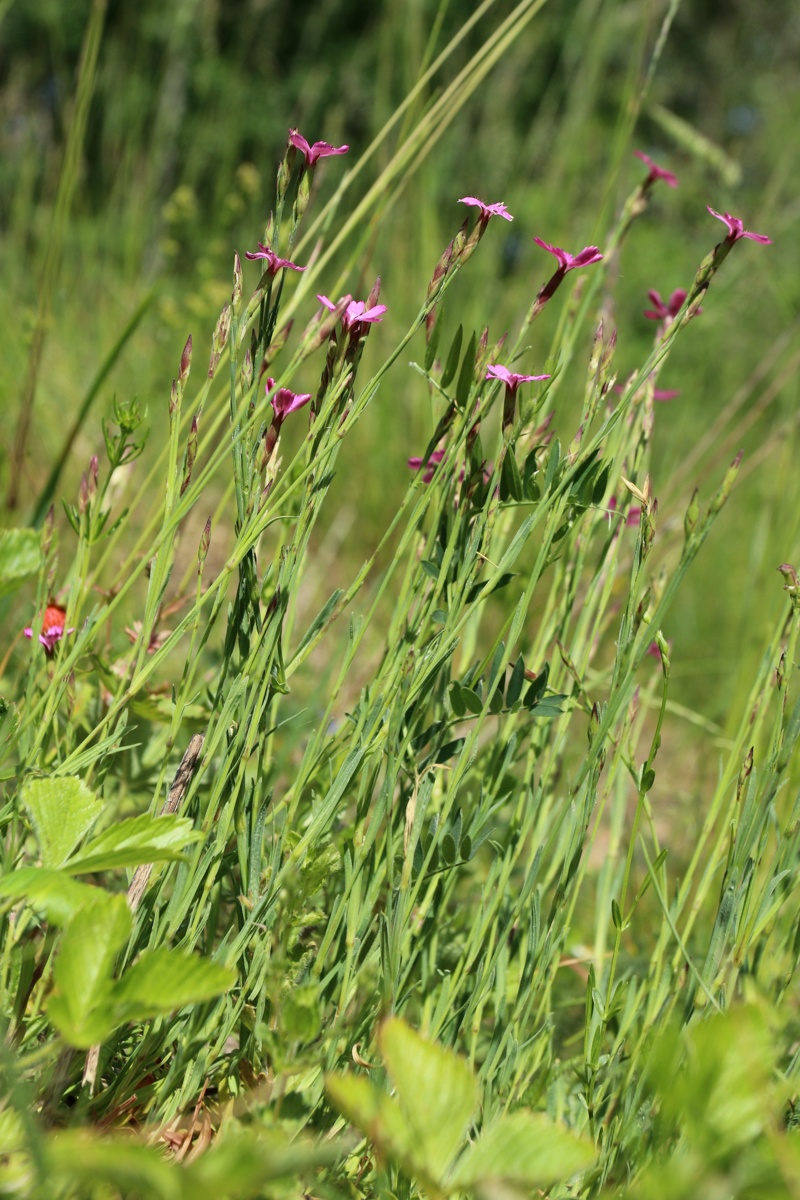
x=205 y=542
x=186 y=362
x=236 y=296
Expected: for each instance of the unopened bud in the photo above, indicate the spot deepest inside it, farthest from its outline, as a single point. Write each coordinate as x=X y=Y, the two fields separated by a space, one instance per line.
x=273 y=350
x=792 y=583
x=191 y=455
x=174 y=399
x=186 y=362
x=726 y=487
x=745 y=771
x=269 y=231
x=375 y=293
x=284 y=175
x=663 y=646
x=219 y=339
x=247 y=371
x=205 y=542
x=594 y=723
x=236 y=295
x=439 y=272
x=83 y=494
x=303 y=196
x=692 y=515
x=92 y=477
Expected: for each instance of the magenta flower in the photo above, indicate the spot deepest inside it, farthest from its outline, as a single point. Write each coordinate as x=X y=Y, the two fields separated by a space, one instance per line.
x=416 y=463
x=52 y=627
x=632 y=516
x=316 y=151
x=510 y=378
x=273 y=262
x=357 y=312
x=656 y=172
x=569 y=262
x=662 y=311
x=664 y=395
x=487 y=210
x=285 y=401
x=736 y=229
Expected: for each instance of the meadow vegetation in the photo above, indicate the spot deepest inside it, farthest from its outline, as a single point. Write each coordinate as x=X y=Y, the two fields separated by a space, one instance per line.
x=399 y=706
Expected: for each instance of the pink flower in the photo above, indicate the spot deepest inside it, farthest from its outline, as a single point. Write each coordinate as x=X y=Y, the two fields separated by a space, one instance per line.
x=569 y=262
x=315 y=152
x=736 y=229
x=416 y=463
x=509 y=378
x=666 y=311
x=664 y=395
x=357 y=312
x=285 y=401
x=487 y=210
x=52 y=627
x=273 y=261
x=633 y=515
x=656 y=172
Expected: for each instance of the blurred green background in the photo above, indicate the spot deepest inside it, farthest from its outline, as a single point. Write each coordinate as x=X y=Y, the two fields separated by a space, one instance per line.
x=185 y=125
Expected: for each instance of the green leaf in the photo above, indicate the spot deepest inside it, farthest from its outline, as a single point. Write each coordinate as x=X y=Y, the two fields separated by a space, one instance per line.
x=471 y=700
x=510 y=480
x=476 y=589
x=648 y=779
x=375 y=1114
x=299 y=1017
x=514 y=689
x=136 y=840
x=80 y=1007
x=616 y=915
x=457 y=702
x=551 y=470
x=430 y=569
x=319 y=622
x=524 y=1148
x=436 y=1090
x=163 y=980
x=62 y=810
x=20 y=557
x=448 y=375
x=51 y=893
x=465 y=375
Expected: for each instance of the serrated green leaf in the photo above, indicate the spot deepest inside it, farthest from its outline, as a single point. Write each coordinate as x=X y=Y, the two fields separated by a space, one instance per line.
x=299 y=1014
x=163 y=980
x=451 y=366
x=52 y=893
x=436 y=1090
x=20 y=557
x=374 y=1113
x=81 y=1006
x=136 y=840
x=62 y=811
x=525 y=1149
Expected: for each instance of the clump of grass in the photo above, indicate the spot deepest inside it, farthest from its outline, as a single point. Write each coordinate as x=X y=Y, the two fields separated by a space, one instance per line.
x=435 y=899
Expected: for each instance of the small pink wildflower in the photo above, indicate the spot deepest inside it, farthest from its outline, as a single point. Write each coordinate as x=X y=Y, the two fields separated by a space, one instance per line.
x=52 y=627
x=273 y=262
x=632 y=516
x=510 y=378
x=656 y=172
x=667 y=311
x=156 y=641
x=316 y=151
x=487 y=210
x=664 y=395
x=569 y=262
x=285 y=401
x=736 y=229
x=357 y=313
x=416 y=464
